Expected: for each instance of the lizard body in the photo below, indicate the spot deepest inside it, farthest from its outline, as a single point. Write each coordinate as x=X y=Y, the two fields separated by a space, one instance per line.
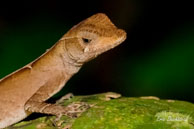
x=26 y=90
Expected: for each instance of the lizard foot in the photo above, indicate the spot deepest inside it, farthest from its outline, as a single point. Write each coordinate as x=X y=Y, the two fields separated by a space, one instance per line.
x=73 y=110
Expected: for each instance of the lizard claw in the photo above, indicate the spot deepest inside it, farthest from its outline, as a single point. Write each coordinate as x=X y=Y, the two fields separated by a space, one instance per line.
x=65 y=97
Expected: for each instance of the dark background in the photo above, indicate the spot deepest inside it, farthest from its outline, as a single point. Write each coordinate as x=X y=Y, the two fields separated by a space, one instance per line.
x=155 y=60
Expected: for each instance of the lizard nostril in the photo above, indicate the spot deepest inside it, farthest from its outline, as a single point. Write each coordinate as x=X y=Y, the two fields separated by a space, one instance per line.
x=121 y=33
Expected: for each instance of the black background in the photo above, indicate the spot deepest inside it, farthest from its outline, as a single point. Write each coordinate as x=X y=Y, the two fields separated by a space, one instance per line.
x=155 y=60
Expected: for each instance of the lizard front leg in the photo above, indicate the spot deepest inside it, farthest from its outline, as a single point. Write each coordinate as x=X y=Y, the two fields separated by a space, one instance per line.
x=71 y=110
x=37 y=103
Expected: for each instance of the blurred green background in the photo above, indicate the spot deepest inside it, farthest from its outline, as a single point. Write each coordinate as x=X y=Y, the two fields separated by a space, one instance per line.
x=155 y=60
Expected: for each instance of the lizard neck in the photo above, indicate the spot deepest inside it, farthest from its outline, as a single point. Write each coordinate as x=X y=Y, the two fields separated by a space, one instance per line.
x=69 y=64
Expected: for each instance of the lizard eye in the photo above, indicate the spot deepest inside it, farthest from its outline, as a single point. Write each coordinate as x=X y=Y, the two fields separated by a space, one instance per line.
x=86 y=40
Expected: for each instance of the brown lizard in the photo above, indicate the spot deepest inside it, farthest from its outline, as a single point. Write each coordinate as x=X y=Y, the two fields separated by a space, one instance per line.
x=26 y=90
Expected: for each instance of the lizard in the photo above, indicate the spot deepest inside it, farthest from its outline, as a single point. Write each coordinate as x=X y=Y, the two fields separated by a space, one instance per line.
x=25 y=91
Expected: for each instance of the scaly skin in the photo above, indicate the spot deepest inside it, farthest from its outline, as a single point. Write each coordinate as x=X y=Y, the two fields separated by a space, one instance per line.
x=26 y=90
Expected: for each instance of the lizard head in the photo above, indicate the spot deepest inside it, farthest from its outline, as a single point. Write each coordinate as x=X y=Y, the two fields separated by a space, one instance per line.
x=92 y=37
